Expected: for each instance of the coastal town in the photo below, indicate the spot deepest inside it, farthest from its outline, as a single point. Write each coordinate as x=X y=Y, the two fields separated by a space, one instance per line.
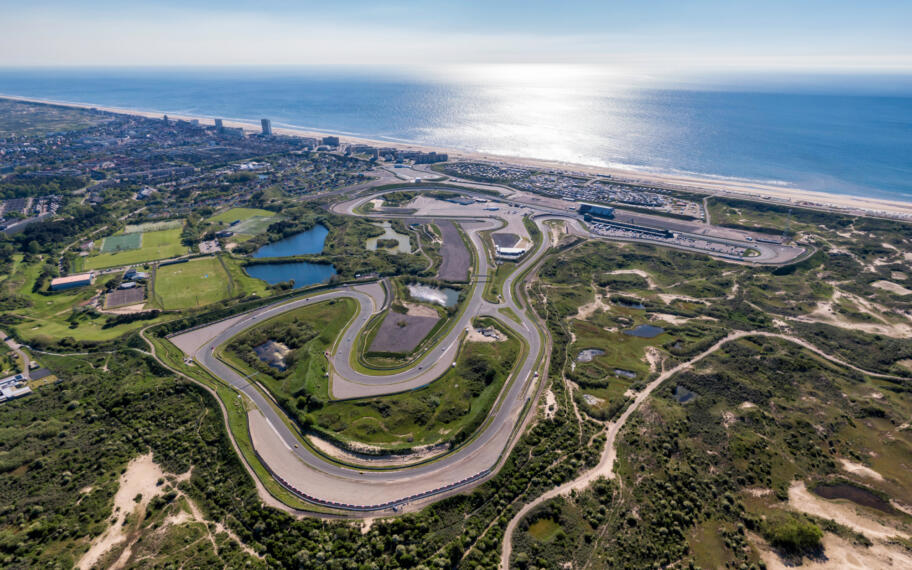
x=386 y=328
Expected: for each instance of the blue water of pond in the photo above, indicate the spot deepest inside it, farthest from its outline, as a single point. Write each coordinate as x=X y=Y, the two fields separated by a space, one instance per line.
x=683 y=395
x=446 y=296
x=645 y=331
x=304 y=243
x=303 y=273
x=588 y=354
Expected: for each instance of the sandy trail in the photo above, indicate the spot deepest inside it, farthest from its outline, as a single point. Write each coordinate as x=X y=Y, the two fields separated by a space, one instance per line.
x=895 y=288
x=841 y=555
x=843 y=513
x=589 y=309
x=649 y=280
x=605 y=467
x=671 y=319
x=140 y=478
x=859 y=469
x=826 y=313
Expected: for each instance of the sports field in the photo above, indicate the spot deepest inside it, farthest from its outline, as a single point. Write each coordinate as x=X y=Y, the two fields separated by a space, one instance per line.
x=240 y=214
x=193 y=284
x=250 y=221
x=121 y=242
x=154 y=226
x=253 y=226
x=153 y=246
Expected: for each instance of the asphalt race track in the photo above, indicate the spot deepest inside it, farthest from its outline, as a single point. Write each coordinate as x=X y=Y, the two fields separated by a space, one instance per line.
x=319 y=480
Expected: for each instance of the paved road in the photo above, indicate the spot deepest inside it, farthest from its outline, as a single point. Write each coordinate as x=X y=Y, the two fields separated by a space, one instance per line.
x=299 y=467
x=310 y=474
x=17 y=349
x=302 y=469
x=769 y=253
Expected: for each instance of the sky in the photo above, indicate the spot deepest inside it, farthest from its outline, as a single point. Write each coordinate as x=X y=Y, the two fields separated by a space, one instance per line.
x=701 y=35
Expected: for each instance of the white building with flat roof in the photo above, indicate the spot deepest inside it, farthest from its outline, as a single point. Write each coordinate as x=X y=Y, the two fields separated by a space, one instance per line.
x=71 y=281
x=509 y=252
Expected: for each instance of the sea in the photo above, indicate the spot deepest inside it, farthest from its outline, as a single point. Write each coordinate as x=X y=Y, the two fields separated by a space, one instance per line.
x=845 y=134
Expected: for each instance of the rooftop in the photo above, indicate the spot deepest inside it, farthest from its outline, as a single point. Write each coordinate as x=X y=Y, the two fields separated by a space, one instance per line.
x=76 y=278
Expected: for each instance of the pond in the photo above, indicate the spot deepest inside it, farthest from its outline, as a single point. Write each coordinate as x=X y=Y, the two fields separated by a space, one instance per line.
x=645 y=331
x=625 y=373
x=389 y=233
x=303 y=273
x=588 y=354
x=446 y=297
x=272 y=353
x=683 y=395
x=630 y=304
x=304 y=243
x=855 y=494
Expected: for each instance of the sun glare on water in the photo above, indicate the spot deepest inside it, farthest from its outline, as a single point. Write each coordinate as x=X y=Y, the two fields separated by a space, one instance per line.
x=554 y=112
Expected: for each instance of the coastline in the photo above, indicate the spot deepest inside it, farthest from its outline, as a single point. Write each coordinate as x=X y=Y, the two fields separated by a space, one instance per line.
x=728 y=187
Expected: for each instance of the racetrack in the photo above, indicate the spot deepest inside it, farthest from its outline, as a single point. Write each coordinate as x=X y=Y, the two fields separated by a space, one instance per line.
x=312 y=476
x=320 y=480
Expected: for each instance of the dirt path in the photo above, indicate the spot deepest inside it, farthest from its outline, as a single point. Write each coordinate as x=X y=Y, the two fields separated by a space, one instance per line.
x=842 y=555
x=138 y=481
x=801 y=499
x=649 y=280
x=605 y=467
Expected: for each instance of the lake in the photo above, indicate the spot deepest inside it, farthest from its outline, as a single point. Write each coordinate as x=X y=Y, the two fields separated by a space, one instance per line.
x=645 y=331
x=446 y=297
x=304 y=243
x=303 y=273
x=389 y=233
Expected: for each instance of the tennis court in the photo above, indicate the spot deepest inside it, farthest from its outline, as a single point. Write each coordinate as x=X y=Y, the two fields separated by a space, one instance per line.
x=121 y=242
x=121 y=297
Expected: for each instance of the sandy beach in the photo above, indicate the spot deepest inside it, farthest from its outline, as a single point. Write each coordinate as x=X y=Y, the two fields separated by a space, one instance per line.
x=783 y=194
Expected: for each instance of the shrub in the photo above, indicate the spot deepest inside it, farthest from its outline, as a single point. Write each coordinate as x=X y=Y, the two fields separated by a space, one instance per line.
x=792 y=534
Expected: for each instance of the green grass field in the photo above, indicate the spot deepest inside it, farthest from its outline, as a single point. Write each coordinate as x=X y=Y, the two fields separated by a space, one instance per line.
x=193 y=284
x=494 y=288
x=308 y=374
x=243 y=284
x=154 y=226
x=155 y=245
x=240 y=214
x=449 y=409
x=50 y=316
x=121 y=242
x=251 y=222
x=544 y=530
